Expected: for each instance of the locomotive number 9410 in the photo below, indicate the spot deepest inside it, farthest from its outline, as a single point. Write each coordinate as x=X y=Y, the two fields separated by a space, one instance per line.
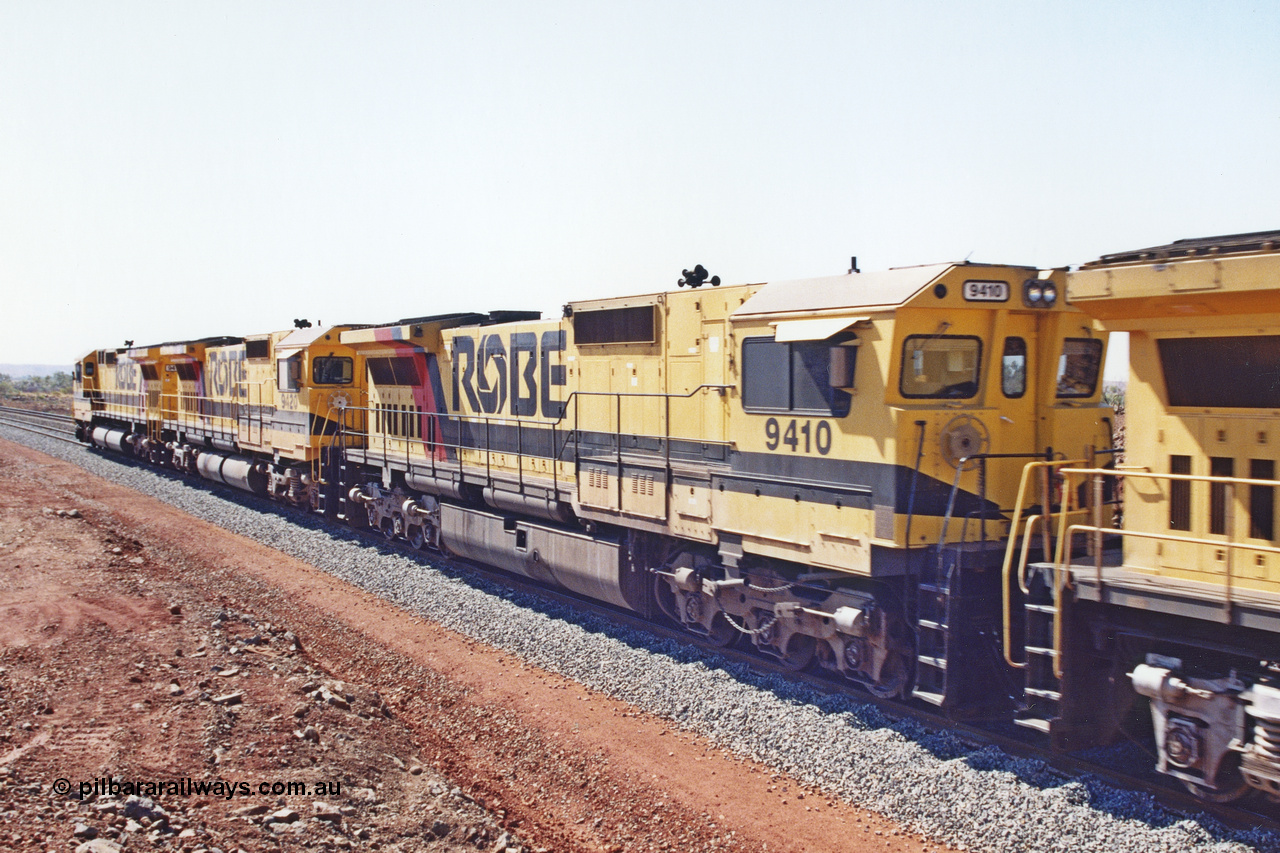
x=798 y=436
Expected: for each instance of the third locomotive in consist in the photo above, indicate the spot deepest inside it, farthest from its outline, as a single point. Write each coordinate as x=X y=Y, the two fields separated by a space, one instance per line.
x=834 y=470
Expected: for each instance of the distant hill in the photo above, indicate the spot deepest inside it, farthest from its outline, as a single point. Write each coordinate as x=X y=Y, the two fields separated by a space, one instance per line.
x=17 y=371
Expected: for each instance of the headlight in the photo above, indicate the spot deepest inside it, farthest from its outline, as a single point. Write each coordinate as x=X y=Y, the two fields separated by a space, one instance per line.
x=1038 y=293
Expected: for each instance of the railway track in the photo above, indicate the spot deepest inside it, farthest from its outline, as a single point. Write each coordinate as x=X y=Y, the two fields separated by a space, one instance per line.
x=1014 y=742
x=48 y=424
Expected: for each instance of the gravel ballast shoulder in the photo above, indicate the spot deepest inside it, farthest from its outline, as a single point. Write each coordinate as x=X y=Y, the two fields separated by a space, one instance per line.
x=982 y=799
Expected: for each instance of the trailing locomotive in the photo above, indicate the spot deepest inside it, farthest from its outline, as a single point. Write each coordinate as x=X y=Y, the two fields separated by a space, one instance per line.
x=825 y=468
x=1170 y=626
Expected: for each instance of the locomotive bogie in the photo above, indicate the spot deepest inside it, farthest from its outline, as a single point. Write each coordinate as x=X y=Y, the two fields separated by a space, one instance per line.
x=399 y=515
x=1196 y=723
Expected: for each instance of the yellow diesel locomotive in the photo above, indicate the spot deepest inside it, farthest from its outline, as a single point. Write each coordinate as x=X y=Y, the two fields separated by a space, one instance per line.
x=1164 y=618
x=824 y=468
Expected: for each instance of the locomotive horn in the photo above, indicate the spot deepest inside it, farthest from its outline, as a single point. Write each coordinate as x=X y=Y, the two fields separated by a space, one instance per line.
x=697 y=277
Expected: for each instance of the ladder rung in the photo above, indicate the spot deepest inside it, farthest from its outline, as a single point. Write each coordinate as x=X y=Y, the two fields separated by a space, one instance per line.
x=1034 y=723
x=935 y=589
x=1042 y=608
x=1043 y=694
x=1037 y=650
x=929 y=623
x=935 y=662
x=927 y=696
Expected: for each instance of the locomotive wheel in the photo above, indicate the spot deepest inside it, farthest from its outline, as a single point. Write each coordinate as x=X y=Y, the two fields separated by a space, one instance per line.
x=665 y=598
x=722 y=634
x=1231 y=785
x=894 y=675
x=799 y=652
x=416 y=535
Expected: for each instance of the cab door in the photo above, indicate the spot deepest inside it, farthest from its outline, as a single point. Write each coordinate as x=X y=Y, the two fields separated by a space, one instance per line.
x=168 y=403
x=1015 y=390
x=714 y=339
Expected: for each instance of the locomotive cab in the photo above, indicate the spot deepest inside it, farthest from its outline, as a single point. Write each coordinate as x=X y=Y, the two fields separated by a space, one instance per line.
x=928 y=386
x=84 y=393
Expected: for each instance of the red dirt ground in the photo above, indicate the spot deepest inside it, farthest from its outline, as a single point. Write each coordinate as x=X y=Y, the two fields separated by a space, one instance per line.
x=120 y=628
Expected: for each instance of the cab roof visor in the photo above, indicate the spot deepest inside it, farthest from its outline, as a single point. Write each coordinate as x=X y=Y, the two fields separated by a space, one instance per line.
x=812 y=328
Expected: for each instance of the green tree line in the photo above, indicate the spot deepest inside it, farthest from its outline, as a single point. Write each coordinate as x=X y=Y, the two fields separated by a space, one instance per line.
x=58 y=383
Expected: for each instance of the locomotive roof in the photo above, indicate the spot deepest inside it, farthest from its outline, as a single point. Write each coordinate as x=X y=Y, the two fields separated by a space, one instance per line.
x=300 y=338
x=415 y=327
x=1254 y=241
x=841 y=293
x=461 y=318
x=1223 y=276
x=467 y=318
x=217 y=341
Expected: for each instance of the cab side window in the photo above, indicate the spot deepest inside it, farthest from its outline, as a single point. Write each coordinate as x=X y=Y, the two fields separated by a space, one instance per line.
x=794 y=377
x=331 y=370
x=1013 y=368
x=288 y=372
x=1078 y=367
x=941 y=366
x=392 y=371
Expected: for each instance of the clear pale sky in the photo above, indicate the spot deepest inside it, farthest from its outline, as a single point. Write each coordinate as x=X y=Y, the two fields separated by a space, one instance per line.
x=179 y=170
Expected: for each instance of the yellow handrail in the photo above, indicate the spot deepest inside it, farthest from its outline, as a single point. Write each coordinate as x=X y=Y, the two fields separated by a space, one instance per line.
x=1150 y=475
x=1229 y=542
x=1013 y=538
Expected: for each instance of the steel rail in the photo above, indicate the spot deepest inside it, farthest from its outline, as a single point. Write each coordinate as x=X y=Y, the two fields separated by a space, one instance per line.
x=55 y=432
x=43 y=433
x=18 y=411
